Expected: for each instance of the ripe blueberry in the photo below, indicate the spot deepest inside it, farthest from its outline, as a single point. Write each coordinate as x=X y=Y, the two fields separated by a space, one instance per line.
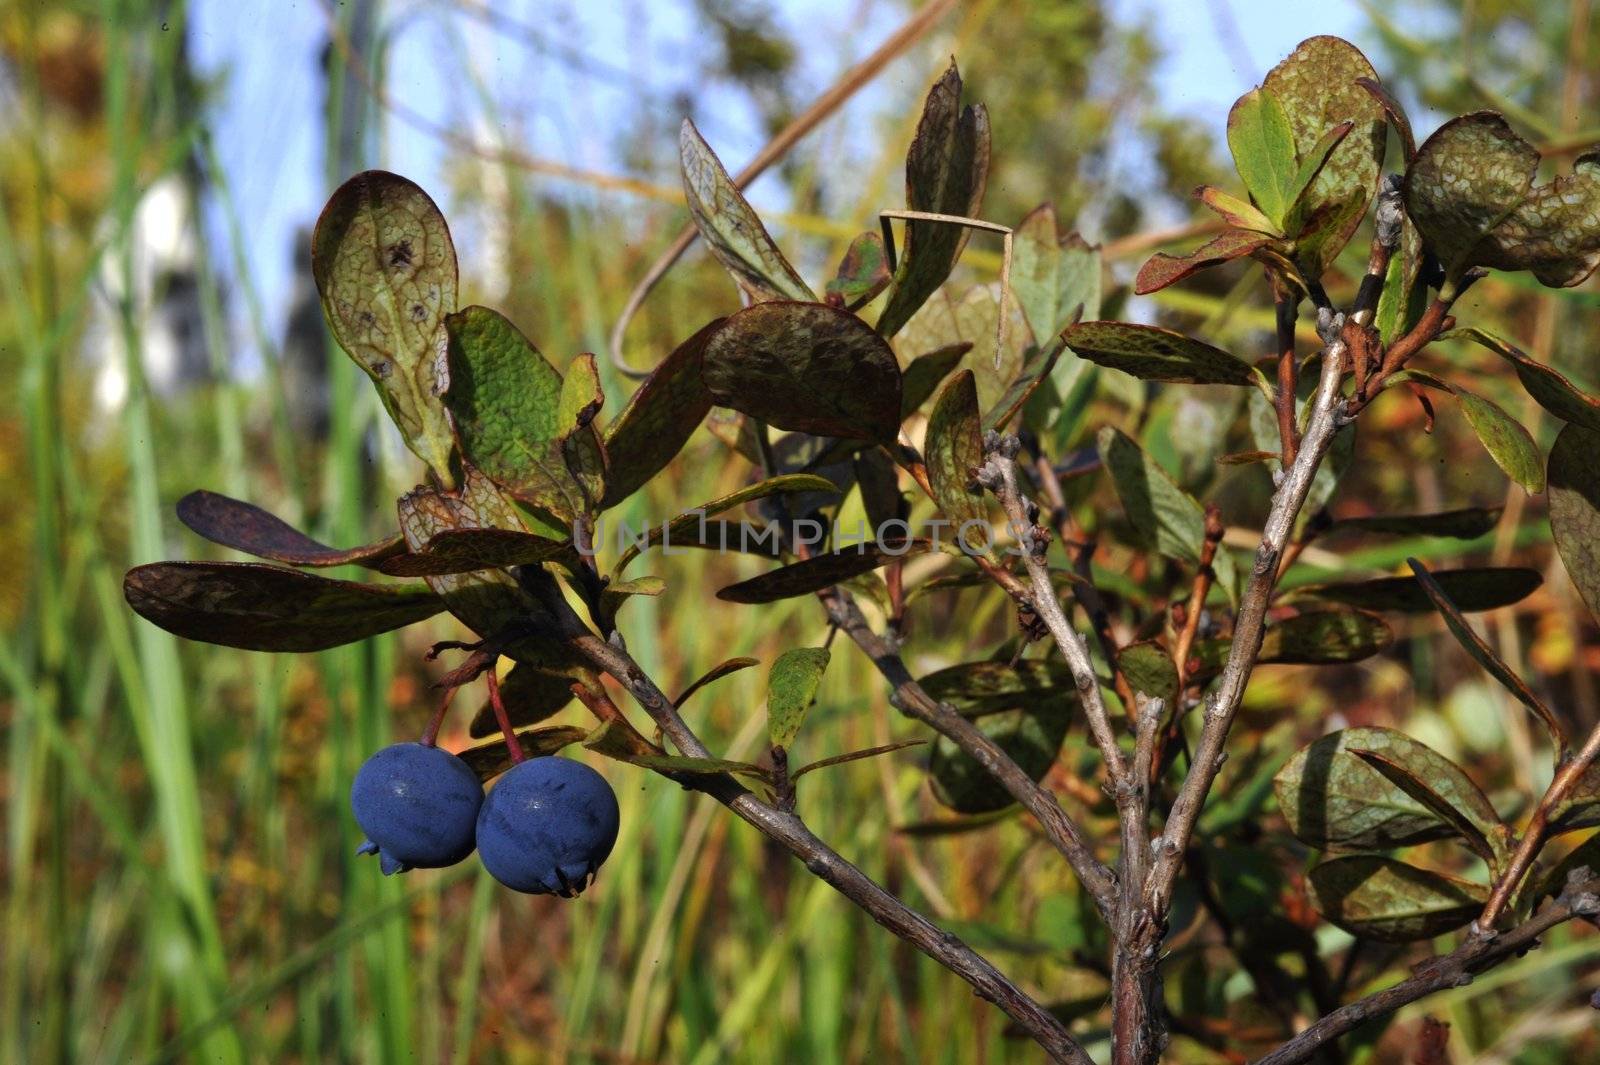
x=546 y=826
x=418 y=806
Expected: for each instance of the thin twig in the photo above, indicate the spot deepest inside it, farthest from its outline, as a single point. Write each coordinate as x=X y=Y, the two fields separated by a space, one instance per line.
x=1455 y=969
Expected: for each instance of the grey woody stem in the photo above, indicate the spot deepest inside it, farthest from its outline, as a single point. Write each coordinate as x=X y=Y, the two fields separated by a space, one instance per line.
x=909 y=698
x=1455 y=969
x=1248 y=628
x=788 y=830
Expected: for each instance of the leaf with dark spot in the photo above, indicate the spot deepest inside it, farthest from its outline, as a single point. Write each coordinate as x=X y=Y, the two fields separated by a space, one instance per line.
x=1471 y=589
x=1151 y=353
x=862 y=274
x=245 y=527
x=466 y=550
x=1315 y=638
x=1319 y=87
x=530 y=695
x=1379 y=898
x=791 y=686
x=581 y=399
x=924 y=373
x=1150 y=670
x=1395 y=113
x=1163 y=516
x=1469 y=523
x=1487 y=658
x=1549 y=388
x=386 y=269
x=506 y=402
x=663 y=413
x=947 y=168
x=1030 y=737
x=1575 y=509
x=1333 y=799
x=269 y=608
x=1470 y=192
x=1487 y=840
x=954 y=449
x=807 y=367
x=1161 y=269
x=731 y=227
x=818 y=572
x=489 y=760
x=987 y=687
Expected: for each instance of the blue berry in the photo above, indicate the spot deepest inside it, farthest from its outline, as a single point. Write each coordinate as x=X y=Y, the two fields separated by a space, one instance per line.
x=546 y=826
x=418 y=806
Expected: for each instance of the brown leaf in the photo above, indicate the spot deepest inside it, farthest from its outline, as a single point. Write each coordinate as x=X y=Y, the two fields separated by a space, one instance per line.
x=245 y=527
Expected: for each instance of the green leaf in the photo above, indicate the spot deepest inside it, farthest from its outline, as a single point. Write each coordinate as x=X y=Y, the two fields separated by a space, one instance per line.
x=818 y=572
x=1471 y=589
x=269 y=608
x=1035 y=368
x=1486 y=657
x=1150 y=670
x=489 y=760
x=1151 y=353
x=1549 y=388
x=1311 y=168
x=1507 y=442
x=1031 y=737
x=663 y=413
x=1379 y=898
x=581 y=399
x=506 y=403
x=807 y=367
x=854 y=756
x=1053 y=277
x=1468 y=523
x=1487 y=841
x=978 y=688
x=245 y=527
x=1319 y=88
x=947 y=167
x=1575 y=509
x=924 y=373
x=1315 y=638
x=1165 y=517
x=1262 y=143
x=862 y=274
x=689 y=520
x=791 y=686
x=466 y=550
x=1234 y=211
x=1471 y=193
x=954 y=449
x=731 y=228
x=530 y=695
x=1333 y=799
x=386 y=269
x=1161 y=269
x=617 y=742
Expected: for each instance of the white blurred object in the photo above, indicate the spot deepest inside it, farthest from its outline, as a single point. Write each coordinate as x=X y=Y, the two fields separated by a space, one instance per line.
x=151 y=269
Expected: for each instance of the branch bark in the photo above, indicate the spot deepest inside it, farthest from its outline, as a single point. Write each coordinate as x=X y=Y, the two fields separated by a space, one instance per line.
x=1478 y=953
x=821 y=860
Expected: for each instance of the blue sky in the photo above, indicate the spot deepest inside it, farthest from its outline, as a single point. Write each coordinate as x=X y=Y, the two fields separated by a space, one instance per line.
x=612 y=52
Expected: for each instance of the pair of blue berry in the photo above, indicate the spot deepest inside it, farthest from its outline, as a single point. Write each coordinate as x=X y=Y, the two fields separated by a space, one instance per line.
x=544 y=828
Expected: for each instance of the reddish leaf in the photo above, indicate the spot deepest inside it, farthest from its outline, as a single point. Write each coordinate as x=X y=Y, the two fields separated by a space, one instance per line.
x=246 y=527
x=268 y=608
x=1162 y=269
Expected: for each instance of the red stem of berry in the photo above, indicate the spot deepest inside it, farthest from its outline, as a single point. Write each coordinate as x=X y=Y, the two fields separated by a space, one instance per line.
x=513 y=745
x=430 y=735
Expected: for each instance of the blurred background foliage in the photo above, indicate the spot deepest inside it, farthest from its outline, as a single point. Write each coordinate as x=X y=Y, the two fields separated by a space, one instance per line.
x=179 y=876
